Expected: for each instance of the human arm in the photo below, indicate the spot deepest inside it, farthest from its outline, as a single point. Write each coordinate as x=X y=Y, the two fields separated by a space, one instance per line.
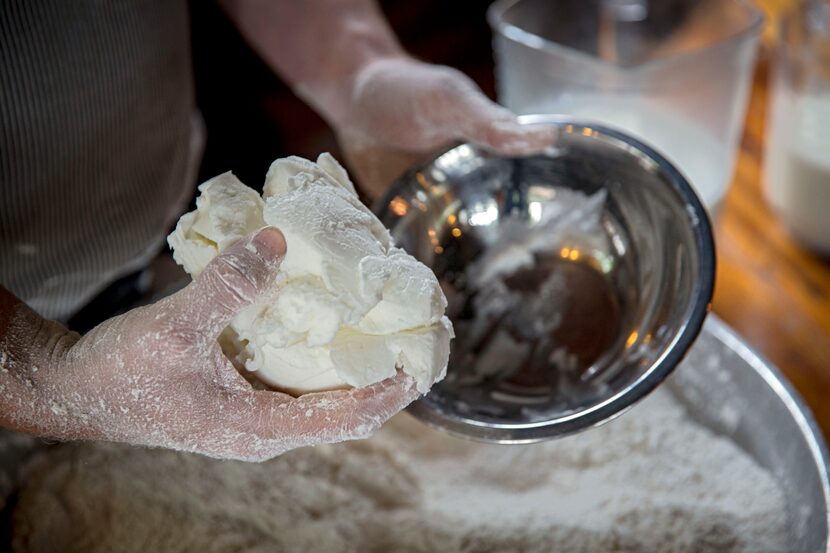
x=386 y=107
x=156 y=375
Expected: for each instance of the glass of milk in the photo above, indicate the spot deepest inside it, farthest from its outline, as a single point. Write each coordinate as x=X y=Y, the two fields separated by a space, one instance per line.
x=675 y=74
x=797 y=163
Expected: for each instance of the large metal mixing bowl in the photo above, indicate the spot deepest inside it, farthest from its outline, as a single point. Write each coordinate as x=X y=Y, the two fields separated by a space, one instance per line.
x=576 y=279
x=728 y=388
x=724 y=386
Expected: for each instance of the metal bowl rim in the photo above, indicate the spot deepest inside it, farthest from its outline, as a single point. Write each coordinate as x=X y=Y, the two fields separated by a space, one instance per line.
x=794 y=403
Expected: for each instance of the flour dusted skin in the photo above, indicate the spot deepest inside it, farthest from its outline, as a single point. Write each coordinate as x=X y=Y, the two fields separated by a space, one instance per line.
x=348 y=307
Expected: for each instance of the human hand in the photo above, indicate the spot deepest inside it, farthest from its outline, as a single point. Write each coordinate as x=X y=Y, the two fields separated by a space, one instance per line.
x=402 y=109
x=388 y=109
x=157 y=376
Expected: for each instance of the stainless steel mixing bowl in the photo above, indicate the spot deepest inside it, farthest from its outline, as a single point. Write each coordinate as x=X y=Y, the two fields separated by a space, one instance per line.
x=729 y=389
x=576 y=279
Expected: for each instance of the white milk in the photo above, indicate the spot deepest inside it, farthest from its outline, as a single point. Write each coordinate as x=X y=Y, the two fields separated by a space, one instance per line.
x=688 y=145
x=797 y=176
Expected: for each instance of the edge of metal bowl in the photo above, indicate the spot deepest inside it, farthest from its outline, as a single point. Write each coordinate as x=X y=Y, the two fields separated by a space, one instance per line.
x=623 y=400
x=789 y=396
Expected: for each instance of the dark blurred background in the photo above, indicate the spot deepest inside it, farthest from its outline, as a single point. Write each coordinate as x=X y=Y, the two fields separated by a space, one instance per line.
x=253 y=118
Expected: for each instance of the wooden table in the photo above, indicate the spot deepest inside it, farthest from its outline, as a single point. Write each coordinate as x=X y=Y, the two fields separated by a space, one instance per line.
x=774 y=293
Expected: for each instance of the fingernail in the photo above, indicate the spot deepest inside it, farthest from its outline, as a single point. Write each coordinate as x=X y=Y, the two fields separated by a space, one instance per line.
x=269 y=243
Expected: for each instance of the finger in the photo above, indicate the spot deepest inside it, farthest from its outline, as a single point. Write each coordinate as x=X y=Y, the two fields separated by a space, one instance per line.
x=259 y=425
x=512 y=138
x=355 y=414
x=328 y=417
x=231 y=282
x=488 y=124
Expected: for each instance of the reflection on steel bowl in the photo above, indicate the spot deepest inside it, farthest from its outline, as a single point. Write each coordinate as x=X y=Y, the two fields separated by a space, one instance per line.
x=576 y=278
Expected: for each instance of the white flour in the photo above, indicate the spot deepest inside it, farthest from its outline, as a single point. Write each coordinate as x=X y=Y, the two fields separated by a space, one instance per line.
x=651 y=481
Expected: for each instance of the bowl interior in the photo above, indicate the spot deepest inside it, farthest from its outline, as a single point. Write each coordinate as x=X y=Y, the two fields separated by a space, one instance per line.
x=576 y=279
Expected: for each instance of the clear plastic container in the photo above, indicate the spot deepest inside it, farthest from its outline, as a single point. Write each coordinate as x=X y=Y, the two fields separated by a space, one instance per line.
x=797 y=167
x=675 y=74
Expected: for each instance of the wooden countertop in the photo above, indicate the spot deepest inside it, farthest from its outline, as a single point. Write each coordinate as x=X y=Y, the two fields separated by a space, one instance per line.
x=773 y=292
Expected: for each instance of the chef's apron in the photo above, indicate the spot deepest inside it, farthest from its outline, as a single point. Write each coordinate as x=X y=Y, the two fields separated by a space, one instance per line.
x=98 y=142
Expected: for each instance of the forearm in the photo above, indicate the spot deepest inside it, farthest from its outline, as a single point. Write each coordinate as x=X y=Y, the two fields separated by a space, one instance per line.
x=318 y=46
x=29 y=344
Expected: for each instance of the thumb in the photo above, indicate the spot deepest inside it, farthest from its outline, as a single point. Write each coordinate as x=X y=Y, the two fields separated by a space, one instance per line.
x=232 y=281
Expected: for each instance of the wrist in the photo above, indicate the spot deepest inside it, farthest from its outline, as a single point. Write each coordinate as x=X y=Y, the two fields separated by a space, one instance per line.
x=31 y=350
x=317 y=46
x=333 y=98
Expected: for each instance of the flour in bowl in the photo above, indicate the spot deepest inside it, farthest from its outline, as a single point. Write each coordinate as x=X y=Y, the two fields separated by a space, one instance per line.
x=650 y=481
